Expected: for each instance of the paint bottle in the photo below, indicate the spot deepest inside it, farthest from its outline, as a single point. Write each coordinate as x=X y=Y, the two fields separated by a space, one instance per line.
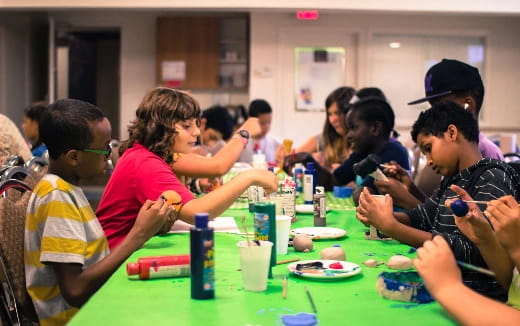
x=298 y=177
x=160 y=267
x=265 y=227
x=319 y=204
x=202 y=259
x=309 y=182
x=288 y=199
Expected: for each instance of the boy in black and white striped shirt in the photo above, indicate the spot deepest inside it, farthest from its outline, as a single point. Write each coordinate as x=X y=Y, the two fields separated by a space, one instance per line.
x=448 y=136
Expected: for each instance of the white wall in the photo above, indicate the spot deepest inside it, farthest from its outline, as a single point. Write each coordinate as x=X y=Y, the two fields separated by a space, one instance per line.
x=439 y=6
x=138 y=59
x=14 y=66
x=502 y=72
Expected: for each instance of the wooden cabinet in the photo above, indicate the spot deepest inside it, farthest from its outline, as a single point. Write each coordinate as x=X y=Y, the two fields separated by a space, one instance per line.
x=202 y=52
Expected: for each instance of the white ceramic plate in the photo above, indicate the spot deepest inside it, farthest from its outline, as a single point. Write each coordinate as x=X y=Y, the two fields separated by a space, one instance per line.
x=320 y=232
x=306 y=208
x=348 y=269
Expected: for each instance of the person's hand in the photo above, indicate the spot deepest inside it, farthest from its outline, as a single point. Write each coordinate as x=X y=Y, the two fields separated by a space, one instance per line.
x=252 y=125
x=371 y=211
x=504 y=215
x=394 y=170
x=280 y=154
x=400 y=194
x=209 y=184
x=474 y=225
x=265 y=179
x=436 y=265
x=294 y=158
x=151 y=218
x=170 y=220
x=392 y=186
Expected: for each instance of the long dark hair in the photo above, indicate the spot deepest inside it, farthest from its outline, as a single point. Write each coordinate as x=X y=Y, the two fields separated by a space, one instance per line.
x=334 y=143
x=153 y=127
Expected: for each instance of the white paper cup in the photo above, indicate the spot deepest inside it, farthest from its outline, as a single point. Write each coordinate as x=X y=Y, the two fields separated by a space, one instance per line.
x=373 y=230
x=254 y=263
x=283 y=226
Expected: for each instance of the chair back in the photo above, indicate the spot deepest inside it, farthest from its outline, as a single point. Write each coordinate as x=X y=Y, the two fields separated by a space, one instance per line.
x=12 y=228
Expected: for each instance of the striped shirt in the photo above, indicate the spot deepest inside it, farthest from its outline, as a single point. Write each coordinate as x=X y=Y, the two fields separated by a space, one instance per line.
x=60 y=228
x=432 y=216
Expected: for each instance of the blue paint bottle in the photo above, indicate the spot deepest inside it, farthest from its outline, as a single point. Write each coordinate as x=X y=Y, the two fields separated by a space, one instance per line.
x=298 y=177
x=202 y=262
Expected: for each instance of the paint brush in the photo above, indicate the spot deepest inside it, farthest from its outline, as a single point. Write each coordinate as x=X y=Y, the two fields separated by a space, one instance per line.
x=476 y=268
x=245 y=230
x=310 y=300
x=484 y=202
x=284 y=288
x=285 y=261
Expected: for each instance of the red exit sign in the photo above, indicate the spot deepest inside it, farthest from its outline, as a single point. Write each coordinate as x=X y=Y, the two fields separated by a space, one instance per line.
x=307 y=14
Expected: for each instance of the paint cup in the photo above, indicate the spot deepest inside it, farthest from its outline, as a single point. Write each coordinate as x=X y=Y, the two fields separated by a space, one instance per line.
x=373 y=230
x=283 y=225
x=287 y=145
x=254 y=263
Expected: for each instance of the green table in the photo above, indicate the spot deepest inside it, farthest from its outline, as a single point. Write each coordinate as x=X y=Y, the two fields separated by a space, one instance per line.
x=351 y=301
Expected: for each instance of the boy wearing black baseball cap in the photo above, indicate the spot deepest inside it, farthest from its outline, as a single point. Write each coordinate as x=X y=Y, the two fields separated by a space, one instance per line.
x=456 y=81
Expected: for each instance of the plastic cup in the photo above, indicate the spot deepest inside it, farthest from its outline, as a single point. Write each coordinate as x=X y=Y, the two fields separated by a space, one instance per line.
x=373 y=230
x=254 y=263
x=283 y=225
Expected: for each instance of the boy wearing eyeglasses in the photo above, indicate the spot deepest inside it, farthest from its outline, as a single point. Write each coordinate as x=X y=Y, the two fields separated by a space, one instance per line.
x=66 y=252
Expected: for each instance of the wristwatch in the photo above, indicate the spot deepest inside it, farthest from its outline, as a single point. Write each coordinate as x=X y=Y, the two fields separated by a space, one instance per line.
x=243 y=136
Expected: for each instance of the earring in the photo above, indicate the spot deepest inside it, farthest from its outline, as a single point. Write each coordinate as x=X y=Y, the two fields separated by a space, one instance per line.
x=466 y=105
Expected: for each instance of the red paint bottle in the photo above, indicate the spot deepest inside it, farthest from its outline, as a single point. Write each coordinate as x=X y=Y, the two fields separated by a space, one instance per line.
x=160 y=267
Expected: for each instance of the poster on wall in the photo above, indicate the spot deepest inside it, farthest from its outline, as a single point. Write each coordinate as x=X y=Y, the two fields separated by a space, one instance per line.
x=173 y=73
x=318 y=71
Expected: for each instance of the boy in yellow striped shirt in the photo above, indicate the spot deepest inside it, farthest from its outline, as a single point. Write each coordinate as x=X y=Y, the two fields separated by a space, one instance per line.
x=66 y=253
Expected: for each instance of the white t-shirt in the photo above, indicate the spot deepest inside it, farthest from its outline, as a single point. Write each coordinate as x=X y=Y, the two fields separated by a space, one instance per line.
x=266 y=146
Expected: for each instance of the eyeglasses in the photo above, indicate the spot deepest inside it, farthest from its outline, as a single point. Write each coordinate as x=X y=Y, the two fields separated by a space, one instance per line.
x=105 y=152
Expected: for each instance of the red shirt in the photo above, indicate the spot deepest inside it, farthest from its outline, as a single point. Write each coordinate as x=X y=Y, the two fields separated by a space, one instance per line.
x=139 y=175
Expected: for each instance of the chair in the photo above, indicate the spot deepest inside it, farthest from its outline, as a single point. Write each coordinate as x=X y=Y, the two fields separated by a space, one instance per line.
x=12 y=227
x=36 y=164
x=14 y=160
x=15 y=172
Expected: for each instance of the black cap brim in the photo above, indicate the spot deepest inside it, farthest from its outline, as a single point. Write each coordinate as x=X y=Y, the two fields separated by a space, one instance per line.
x=427 y=98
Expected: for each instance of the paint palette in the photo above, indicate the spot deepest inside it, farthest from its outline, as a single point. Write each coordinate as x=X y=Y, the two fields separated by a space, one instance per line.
x=324 y=269
x=306 y=209
x=320 y=232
